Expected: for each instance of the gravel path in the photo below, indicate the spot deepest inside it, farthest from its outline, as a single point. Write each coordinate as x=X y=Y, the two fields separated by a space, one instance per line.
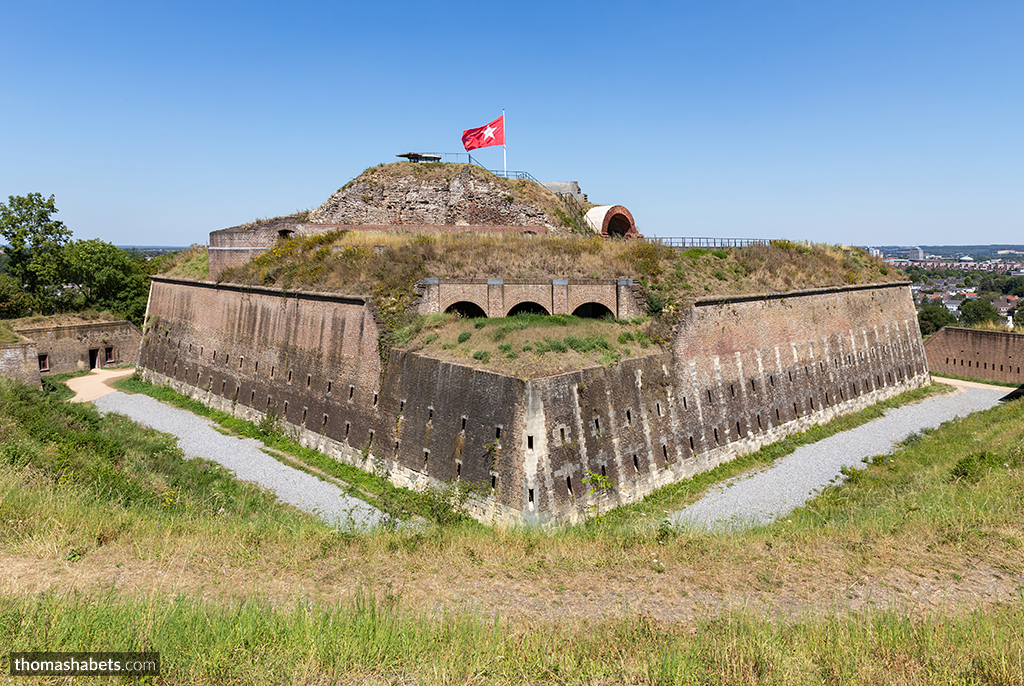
x=762 y=496
x=245 y=457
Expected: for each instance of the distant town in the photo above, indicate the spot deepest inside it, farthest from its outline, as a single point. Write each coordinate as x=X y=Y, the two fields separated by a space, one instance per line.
x=969 y=285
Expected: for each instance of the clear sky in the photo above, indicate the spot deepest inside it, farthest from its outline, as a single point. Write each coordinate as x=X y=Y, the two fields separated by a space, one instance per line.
x=866 y=122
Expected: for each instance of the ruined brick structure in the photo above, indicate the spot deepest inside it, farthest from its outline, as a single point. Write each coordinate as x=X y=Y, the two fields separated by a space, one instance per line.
x=989 y=355
x=20 y=361
x=740 y=373
x=61 y=347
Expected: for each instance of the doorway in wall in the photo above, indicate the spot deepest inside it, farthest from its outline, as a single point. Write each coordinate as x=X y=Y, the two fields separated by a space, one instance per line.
x=94 y=358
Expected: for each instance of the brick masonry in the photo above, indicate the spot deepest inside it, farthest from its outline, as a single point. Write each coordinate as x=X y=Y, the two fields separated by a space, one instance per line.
x=70 y=348
x=989 y=355
x=741 y=373
x=20 y=361
x=497 y=297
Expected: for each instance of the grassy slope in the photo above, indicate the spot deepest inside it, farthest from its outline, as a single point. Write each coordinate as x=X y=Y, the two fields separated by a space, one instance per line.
x=282 y=597
x=7 y=334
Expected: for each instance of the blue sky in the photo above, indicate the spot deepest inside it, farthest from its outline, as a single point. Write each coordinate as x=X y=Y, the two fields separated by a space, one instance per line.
x=866 y=123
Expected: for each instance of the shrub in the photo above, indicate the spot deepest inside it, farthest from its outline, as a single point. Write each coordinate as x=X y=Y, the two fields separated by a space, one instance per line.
x=464 y=336
x=481 y=355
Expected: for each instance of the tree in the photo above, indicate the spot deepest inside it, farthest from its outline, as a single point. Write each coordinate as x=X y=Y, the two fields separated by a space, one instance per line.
x=12 y=300
x=934 y=317
x=1018 y=318
x=36 y=240
x=108 y=278
x=975 y=312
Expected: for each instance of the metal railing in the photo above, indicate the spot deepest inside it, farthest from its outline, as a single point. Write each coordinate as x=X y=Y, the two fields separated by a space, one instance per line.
x=708 y=242
x=575 y=210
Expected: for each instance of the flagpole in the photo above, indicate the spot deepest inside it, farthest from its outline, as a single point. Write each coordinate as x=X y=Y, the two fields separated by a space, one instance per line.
x=504 y=150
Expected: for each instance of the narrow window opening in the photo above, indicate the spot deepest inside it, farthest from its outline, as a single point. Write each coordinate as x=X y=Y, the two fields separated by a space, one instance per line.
x=827 y=401
x=223 y=383
x=226 y=356
x=561 y=430
x=629 y=418
x=759 y=427
x=351 y=391
x=568 y=484
x=709 y=395
x=531 y=496
x=753 y=389
x=658 y=407
x=285 y=408
x=716 y=435
x=44 y=363
x=304 y=415
x=732 y=390
x=739 y=434
x=309 y=380
x=463 y=422
x=664 y=451
x=604 y=472
x=494 y=482
x=240 y=360
x=810 y=401
x=691 y=444
x=684 y=402
x=252 y=398
x=268 y=403
x=497 y=432
x=397 y=444
x=256 y=367
x=795 y=412
x=771 y=378
x=430 y=413
x=214 y=355
x=790 y=372
x=636 y=463
x=426 y=455
x=401 y=407
x=272 y=370
x=529 y=442
x=458 y=472
x=329 y=384
x=597 y=425
x=375 y=400
x=777 y=417
x=323 y=426
x=347 y=426
x=370 y=442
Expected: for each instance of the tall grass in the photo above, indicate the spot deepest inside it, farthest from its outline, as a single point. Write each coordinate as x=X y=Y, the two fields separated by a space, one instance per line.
x=377 y=640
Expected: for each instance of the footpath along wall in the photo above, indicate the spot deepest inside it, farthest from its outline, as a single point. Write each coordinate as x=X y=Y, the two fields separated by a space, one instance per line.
x=741 y=372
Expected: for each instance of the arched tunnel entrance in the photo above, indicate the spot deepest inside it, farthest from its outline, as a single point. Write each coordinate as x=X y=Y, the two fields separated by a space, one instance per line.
x=592 y=311
x=618 y=226
x=527 y=308
x=466 y=310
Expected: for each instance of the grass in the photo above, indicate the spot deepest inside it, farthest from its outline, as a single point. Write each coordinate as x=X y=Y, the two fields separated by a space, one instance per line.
x=7 y=334
x=193 y=263
x=374 y=489
x=235 y=588
x=68 y=319
x=369 y=640
x=528 y=345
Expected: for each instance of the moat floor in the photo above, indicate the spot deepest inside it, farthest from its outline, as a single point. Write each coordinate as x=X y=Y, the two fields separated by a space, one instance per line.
x=246 y=458
x=763 y=496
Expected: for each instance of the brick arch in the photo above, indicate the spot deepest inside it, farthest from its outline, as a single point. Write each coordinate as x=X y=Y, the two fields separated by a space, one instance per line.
x=612 y=221
x=473 y=293
x=602 y=295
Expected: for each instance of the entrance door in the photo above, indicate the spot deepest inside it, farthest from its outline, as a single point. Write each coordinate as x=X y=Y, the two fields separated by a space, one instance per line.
x=94 y=358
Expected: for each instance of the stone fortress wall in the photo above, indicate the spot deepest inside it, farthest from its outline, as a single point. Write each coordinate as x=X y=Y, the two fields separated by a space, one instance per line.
x=978 y=354
x=742 y=372
x=72 y=347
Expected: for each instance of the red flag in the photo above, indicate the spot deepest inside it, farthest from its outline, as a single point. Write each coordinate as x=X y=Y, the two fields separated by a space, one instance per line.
x=492 y=134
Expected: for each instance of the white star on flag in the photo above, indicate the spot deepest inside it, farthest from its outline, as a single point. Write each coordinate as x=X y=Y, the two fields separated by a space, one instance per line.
x=489 y=132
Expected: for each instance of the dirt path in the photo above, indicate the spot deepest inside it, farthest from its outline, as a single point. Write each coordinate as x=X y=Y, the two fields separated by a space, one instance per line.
x=96 y=383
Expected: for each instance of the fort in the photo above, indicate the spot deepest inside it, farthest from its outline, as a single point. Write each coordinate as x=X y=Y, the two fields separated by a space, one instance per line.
x=726 y=374
x=979 y=354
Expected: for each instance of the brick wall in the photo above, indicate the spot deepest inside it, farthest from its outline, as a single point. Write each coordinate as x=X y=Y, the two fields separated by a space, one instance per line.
x=497 y=297
x=737 y=369
x=989 y=355
x=70 y=348
x=20 y=361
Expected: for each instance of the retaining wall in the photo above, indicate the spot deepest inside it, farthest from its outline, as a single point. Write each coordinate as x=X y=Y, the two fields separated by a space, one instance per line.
x=20 y=361
x=741 y=373
x=978 y=354
x=72 y=347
